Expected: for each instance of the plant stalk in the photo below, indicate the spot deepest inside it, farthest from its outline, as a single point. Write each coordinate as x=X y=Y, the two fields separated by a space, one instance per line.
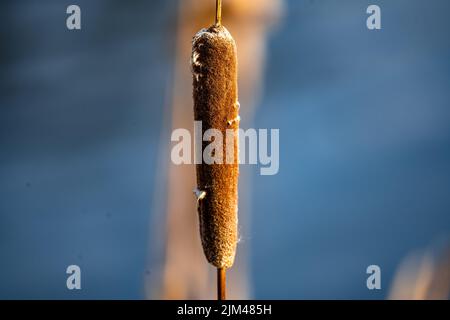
x=221 y=283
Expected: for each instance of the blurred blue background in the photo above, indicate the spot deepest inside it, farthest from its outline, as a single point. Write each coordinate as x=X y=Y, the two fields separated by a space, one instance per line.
x=364 y=119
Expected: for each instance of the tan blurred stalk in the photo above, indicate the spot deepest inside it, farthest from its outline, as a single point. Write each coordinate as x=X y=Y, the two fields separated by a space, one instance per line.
x=185 y=273
x=421 y=276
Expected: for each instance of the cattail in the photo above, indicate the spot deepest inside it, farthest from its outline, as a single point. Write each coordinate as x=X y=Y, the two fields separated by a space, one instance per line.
x=214 y=68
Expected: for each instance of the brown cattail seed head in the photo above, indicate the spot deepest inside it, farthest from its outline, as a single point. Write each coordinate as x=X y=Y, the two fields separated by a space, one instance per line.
x=214 y=69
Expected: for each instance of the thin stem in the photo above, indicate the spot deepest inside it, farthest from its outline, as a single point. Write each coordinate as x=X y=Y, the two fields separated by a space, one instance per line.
x=218 y=12
x=221 y=283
